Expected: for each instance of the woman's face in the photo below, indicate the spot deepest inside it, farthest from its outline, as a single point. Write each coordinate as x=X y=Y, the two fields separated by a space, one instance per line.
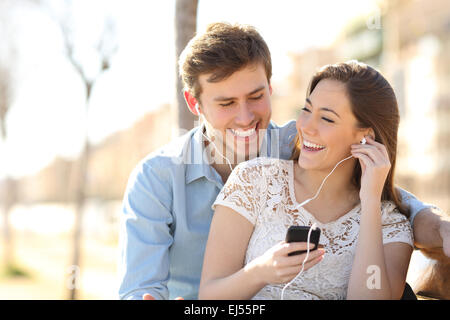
x=326 y=127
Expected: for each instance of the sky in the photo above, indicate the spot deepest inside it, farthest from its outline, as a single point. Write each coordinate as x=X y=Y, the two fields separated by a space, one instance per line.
x=47 y=116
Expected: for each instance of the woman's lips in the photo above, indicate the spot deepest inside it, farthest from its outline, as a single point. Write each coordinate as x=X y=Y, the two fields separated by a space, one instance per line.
x=311 y=146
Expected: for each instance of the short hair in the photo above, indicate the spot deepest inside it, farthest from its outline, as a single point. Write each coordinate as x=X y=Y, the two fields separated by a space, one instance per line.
x=222 y=50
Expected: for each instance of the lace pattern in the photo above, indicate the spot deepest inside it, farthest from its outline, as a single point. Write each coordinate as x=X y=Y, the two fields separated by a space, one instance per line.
x=261 y=190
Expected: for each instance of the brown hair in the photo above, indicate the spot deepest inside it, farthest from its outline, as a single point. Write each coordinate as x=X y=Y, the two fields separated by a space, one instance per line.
x=222 y=50
x=374 y=105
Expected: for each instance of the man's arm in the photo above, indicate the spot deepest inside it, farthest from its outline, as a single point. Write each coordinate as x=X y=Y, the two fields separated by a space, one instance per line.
x=430 y=225
x=432 y=233
x=145 y=235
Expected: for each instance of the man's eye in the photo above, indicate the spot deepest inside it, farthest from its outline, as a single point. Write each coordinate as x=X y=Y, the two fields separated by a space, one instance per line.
x=258 y=97
x=227 y=104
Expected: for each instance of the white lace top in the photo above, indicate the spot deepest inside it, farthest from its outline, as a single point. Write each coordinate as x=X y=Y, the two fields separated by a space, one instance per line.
x=262 y=190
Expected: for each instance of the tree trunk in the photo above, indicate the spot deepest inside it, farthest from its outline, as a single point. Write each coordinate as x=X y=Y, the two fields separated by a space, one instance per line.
x=185 y=27
x=8 y=201
x=82 y=172
x=80 y=195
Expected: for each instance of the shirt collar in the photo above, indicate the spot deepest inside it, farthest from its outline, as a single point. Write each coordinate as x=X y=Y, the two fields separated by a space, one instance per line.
x=197 y=168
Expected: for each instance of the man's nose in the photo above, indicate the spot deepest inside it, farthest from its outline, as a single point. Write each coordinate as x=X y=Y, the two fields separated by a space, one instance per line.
x=245 y=115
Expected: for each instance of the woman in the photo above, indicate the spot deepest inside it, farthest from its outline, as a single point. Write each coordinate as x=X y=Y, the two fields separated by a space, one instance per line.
x=366 y=237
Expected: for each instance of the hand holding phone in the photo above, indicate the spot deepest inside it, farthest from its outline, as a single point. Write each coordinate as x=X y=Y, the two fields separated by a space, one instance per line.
x=300 y=234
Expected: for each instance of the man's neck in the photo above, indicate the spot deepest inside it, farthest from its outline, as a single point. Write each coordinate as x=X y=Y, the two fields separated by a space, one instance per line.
x=223 y=170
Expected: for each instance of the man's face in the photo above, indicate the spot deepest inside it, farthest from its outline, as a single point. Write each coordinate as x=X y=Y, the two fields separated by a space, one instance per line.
x=237 y=111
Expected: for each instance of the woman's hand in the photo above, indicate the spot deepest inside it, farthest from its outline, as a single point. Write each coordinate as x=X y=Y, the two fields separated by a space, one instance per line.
x=375 y=166
x=275 y=266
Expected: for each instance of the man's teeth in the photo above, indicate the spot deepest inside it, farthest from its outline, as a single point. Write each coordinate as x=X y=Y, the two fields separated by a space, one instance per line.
x=246 y=133
x=312 y=145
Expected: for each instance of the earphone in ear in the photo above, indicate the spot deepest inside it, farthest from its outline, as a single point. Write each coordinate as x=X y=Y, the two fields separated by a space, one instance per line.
x=363 y=141
x=196 y=109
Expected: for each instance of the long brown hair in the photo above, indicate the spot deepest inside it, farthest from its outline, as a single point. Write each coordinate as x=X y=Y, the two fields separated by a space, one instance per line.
x=374 y=105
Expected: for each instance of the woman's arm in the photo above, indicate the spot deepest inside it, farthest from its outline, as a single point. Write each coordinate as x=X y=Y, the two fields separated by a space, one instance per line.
x=224 y=275
x=379 y=271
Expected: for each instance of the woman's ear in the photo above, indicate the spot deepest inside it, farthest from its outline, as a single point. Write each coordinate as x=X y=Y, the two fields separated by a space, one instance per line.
x=368 y=132
x=191 y=102
x=371 y=133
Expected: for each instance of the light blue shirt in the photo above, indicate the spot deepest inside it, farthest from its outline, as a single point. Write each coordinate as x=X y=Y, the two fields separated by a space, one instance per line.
x=167 y=214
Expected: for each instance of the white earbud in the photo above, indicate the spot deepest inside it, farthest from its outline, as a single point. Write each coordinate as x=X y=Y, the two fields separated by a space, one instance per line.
x=196 y=109
x=363 y=141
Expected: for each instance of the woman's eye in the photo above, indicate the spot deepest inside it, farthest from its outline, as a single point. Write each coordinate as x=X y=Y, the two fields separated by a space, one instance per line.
x=328 y=120
x=306 y=109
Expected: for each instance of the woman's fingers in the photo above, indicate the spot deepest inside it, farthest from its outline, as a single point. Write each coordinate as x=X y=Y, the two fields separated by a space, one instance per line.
x=371 y=143
x=295 y=246
x=291 y=272
x=296 y=260
x=375 y=154
x=367 y=161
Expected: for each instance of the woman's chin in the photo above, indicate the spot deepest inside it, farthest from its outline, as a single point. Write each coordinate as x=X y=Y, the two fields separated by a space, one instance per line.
x=308 y=164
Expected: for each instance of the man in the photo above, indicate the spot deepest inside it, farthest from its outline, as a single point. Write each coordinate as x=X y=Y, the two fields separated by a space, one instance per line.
x=167 y=205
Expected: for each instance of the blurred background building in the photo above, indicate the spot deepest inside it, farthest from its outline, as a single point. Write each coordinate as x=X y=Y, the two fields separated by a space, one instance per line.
x=407 y=40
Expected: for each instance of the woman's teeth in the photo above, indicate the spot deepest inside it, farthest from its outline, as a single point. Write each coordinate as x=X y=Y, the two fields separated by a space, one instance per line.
x=241 y=133
x=311 y=145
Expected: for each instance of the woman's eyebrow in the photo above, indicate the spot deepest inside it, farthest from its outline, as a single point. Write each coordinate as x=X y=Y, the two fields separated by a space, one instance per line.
x=323 y=108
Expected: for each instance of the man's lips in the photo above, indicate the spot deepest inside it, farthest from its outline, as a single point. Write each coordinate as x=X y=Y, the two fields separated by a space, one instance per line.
x=247 y=134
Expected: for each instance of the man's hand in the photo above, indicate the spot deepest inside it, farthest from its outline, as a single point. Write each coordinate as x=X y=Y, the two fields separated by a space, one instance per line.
x=432 y=233
x=147 y=296
x=432 y=237
x=444 y=231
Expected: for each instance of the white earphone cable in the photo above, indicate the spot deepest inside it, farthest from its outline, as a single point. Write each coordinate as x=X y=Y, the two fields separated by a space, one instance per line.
x=215 y=147
x=323 y=182
x=314 y=225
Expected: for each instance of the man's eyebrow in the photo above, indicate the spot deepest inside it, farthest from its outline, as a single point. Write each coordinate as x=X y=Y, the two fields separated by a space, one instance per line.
x=221 y=98
x=324 y=109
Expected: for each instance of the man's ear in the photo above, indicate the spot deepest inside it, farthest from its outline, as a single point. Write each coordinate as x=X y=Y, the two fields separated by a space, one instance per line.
x=191 y=102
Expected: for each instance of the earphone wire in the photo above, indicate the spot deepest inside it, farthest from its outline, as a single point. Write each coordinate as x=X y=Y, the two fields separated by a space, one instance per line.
x=228 y=161
x=215 y=147
x=313 y=226
x=323 y=182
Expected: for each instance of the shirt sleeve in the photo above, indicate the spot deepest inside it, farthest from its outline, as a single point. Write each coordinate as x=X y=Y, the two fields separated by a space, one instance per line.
x=413 y=204
x=395 y=225
x=145 y=235
x=244 y=191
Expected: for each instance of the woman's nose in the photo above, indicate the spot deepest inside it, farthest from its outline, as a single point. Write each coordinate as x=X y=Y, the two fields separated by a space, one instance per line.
x=307 y=125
